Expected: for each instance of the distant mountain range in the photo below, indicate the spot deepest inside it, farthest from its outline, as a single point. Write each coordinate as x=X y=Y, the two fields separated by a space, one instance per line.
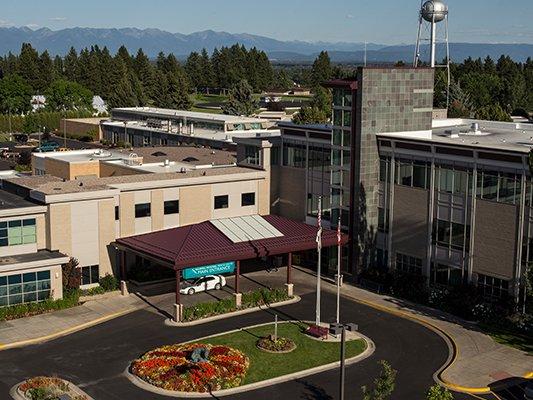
x=152 y=41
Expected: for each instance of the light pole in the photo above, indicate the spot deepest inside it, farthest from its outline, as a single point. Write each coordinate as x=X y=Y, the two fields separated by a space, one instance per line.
x=339 y=256
x=319 y=265
x=343 y=357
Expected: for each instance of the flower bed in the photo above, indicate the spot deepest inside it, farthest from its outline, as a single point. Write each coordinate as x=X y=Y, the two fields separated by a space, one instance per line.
x=48 y=388
x=171 y=368
x=278 y=345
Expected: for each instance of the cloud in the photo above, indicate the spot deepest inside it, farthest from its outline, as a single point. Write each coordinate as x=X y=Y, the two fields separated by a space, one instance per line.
x=5 y=24
x=58 y=19
x=350 y=16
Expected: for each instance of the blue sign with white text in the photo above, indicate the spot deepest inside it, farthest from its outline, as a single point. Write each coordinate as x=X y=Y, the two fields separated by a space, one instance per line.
x=213 y=269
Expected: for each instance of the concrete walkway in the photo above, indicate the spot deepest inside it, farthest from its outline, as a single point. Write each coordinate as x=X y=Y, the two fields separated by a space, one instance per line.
x=479 y=361
x=24 y=331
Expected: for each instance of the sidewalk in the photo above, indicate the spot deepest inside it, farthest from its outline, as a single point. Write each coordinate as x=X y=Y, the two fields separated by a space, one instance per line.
x=479 y=361
x=24 y=331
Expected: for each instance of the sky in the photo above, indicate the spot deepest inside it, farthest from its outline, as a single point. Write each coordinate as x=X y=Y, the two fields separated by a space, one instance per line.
x=376 y=21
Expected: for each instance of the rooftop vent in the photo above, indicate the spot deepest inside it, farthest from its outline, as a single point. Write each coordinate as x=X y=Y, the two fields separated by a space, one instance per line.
x=166 y=163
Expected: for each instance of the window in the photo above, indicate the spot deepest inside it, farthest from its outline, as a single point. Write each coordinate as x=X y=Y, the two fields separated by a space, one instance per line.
x=408 y=264
x=447 y=275
x=499 y=186
x=90 y=275
x=383 y=217
x=492 y=287
x=420 y=175
x=17 y=232
x=172 y=207
x=337 y=137
x=452 y=235
x=142 y=210
x=117 y=213
x=24 y=288
x=248 y=199
x=221 y=202
x=405 y=174
x=347 y=118
x=251 y=155
x=294 y=154
x=383 y=169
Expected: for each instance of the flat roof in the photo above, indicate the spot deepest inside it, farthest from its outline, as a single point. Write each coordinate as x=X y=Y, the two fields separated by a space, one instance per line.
x=313 y=127
x=491 y=135
x=41 y=255
x=184 y=154
x=10 y=201
x=169 y=113
x=187 y=246
x=49 y=185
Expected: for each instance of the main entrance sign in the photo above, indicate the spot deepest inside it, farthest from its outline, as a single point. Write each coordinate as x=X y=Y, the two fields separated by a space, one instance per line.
x=213 y=269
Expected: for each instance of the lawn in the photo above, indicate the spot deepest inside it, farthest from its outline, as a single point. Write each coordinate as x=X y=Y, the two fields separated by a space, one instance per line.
x=209 y=98
x=308 y=354
x=509 y=338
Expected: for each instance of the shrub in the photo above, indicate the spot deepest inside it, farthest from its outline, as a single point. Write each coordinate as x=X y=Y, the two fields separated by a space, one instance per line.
x=70 y=299
x=109 y=283
x=383 y=385
x=411 y=287
x=71 y=275
x=437 y=392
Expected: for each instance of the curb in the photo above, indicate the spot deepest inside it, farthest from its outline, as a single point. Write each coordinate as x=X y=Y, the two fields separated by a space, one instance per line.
x=201 y=321
x=42 y=339
x=369 y=350
x=16 y=394
x=452 y=346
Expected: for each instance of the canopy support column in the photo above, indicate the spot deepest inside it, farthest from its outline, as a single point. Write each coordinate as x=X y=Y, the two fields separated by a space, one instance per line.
x=290 y=286
x=178 y=307
x=237 y=294
x=123 y=276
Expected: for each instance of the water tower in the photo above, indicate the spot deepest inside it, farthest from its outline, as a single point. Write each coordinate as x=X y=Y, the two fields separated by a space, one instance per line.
x=433 y=35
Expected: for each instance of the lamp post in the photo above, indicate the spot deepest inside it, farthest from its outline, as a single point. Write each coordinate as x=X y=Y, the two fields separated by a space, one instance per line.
x=319 y=266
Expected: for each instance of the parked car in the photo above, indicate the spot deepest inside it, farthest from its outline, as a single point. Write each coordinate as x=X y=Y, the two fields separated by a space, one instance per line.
x=203 y=284
x=47 y=147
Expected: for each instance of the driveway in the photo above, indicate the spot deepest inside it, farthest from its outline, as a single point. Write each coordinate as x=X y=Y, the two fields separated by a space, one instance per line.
x=96 y=358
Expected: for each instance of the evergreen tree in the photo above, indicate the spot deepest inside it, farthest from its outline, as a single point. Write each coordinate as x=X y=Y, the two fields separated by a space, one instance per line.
x=309 y=115
x=321 y=70
x=46 y=72
x=70 y=65
x=178 y=93
x=282 y=81
x=208 y=75
x=145 y=72
x=28 y=66
x=241 y=100
x=193 y=68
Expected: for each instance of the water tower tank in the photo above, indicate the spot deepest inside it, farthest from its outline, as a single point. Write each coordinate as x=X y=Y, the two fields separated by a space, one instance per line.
x=434 y=10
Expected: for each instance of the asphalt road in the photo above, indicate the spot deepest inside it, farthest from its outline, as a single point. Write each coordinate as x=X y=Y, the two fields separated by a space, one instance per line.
x=95 y=358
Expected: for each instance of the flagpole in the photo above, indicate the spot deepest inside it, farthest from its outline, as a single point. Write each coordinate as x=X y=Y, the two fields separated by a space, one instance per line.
x=339 y=254
x=319 y=268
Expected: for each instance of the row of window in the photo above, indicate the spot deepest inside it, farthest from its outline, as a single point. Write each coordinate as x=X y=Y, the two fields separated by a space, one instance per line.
x=491 y=185
x=144 y=210
x=18 y=232
x=408 y=264
x=24 y=288
x=451 y=235
x=247 y=199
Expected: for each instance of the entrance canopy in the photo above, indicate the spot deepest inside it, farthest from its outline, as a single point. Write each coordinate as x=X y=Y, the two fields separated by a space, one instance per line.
x=229 y=239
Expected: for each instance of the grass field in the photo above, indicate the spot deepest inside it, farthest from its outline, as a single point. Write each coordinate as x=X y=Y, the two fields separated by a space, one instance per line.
x=518 y=341
x=308 y=354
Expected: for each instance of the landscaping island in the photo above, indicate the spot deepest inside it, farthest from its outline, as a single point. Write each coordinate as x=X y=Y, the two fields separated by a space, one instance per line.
x=235 y=359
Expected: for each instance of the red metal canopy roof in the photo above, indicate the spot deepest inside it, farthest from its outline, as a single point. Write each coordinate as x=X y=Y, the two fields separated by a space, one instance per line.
x=203 y=243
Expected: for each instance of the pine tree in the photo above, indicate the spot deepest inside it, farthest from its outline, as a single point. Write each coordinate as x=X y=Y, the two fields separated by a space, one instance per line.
x=193 y=68
x=321 y=70
x=70 y=65
x=241 y=100
x=145 y=72
x=208 y=75
x=178 y=93
x=28 y=66
x=46 y=72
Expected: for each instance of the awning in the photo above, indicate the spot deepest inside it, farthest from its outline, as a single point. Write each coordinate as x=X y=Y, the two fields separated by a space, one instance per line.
x=204 y=243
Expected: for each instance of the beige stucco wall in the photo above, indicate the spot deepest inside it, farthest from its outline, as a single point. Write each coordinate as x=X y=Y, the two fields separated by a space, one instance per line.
x=127 y=214
x=106 y=234
x=195 y=204
x=157 y=210
x=57 y=168
x=90 y=168
x=41 y=231
x=59 y=228
x=263 y=197
x=234 y=190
